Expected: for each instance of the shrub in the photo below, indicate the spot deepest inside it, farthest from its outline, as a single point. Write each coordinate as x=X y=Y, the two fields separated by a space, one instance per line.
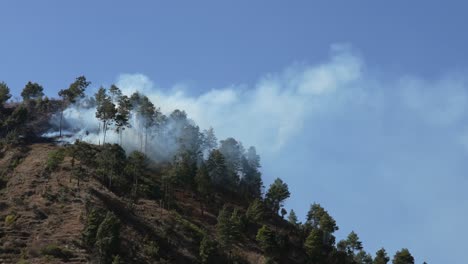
x=54 y=159
x=57 y=252
x=152 y=249
x=10 y=219
x=208 y=250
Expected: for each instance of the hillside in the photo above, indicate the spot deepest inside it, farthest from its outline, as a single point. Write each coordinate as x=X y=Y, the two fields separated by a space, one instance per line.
x=49 y=210
x=159 y=190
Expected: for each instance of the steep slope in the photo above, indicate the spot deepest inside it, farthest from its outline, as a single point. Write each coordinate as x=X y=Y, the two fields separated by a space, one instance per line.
x=44 y=215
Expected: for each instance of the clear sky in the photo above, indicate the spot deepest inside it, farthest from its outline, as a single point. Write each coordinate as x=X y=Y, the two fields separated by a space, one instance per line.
x=372 y=123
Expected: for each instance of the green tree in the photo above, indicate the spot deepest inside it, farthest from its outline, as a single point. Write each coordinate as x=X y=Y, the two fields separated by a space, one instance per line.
x=115 y=93
x=135 y=168
x=105 y=110
x=122 y=117
x=69 y=96
x=277 y=193
x=403 y=257
x=228 y=227
x=314 y=246
x=223 y=228
x=232 y=151
x=93 y=221
x=292 y=218
x=111 y=163
x=108 y=238
x=185 y=169
x=78 y=173
x=351 y=245
x=208 y=251
x=251 y=182
x=209 y=140
x=318 y=217
x=4 y=93
x=203 y=185
x=255 y=211
x=236 y=224
x=381 y=257
x=32 y=91
x=217 y=170
x=147 y=114
x=267 y=240
x=362 y=257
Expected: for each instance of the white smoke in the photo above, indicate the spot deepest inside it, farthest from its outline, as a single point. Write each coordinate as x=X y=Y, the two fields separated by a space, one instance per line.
x=397 y=141
x=266 y=115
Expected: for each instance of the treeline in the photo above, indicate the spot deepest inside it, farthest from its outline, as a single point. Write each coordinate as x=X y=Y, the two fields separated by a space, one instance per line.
x=213 y=171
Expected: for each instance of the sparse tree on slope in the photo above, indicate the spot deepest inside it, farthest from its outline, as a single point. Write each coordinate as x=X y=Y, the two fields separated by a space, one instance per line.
x=251 y=183
x=122 y=116
x=208 y=251
x=267 y=239
x=381 y=257
x=32 y=91
x=351 y=245
x=69 y=96
x=135 y=168
x=362 y=257
x=223 y=228
x=108 y=237
x=209 y=140
x=292 y=218
x=217 y=170
x=314 y=246
x=4 y=93
x=277 y=193
x=403 y=257
x=203 y=183
x=255 y=211
x=105 y=111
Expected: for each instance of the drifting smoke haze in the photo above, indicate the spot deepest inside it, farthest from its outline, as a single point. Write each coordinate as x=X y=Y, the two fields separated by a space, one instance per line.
x=342 y=125
x=266 y=115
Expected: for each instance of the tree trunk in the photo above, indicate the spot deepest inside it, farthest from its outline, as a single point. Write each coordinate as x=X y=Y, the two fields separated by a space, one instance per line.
x=104 y=128
x=60 y=127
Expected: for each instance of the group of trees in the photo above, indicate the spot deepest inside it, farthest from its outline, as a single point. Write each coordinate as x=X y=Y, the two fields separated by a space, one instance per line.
x=17 y=116
x=202 y=165
x=102 y=235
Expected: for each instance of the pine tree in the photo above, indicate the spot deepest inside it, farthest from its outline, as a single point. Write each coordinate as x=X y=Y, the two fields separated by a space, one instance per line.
x=318 y=217
x=223 y=228
x=32 y=91
x=277 y=193
x=251 y=182
x=217 y=170
x=135 y=168
x=209 y=140
x=362 y=257
x=292 y=218
x=267 y=239
x=4 y=93
x=122 y=116
x=381 y=257
x=108 y=237
x=314 y=246
x=105 y=110
x=203 y=185
x=69 y=96
x=403 y=257
x=208 y=252
x=353 y=244
x=255 y=211
x=110 y=163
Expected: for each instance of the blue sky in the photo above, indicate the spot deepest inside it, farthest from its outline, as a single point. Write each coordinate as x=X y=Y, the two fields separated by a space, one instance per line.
x=360 y=106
